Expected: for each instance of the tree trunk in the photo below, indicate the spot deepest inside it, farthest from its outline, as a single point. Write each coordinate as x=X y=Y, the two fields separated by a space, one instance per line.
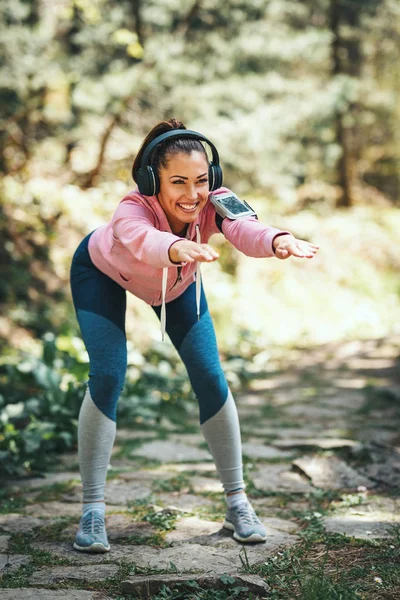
x=343 y=175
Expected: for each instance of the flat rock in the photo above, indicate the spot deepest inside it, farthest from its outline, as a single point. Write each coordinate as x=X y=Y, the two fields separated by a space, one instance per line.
x=145 y=586
x=133 y=434
x=359 y=526
x=147 y=475
x=66 y=551
x=166 y=451
x=312 y=412
x=353 y=400
x=47 y=480
x=377 y=435
x=384 y=466
x=194 y=530
x=186 y=557
x=191 y=439
x=281 y=479
x=192 y=527
x=286 y=432
x=200 y=558
x=54 y=509
x=324 y=443
x=16 y=523
x=117 y=492
x=119 y=527
x=184 y=502
x=260 y=451
x=205 y=467
x=331 y=473
x=4 y=542
x=89 y=573
x=38 y=594
x=10 y=562
x=206 y=484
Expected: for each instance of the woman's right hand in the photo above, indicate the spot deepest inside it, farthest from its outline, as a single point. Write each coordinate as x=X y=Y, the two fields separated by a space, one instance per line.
x=187 y=251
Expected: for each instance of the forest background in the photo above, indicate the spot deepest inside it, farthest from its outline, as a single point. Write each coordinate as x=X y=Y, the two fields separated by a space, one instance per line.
x=302 y=99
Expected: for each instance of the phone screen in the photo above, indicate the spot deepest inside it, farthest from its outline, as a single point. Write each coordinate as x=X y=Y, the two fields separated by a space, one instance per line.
x=233 y=204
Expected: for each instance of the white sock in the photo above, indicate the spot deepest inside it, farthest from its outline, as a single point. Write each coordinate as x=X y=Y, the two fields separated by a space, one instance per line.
x=234 y=500
x=101 y=506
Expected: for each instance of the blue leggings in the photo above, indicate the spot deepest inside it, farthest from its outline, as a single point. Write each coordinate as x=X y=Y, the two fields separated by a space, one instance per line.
x=100 y=305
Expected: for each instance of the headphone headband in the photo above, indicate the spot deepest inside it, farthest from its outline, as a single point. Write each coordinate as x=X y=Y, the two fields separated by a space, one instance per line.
x=178 y=133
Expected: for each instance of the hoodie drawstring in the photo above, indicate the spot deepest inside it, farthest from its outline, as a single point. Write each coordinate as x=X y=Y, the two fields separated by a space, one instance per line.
x=164 y=290
x=198 y=276
x=163 y=310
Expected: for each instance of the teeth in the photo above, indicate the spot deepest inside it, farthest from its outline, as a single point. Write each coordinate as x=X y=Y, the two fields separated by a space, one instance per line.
x=188 y=206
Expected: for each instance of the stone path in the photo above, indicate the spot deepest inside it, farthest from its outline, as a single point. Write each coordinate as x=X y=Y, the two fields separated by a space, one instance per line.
x=314 y=422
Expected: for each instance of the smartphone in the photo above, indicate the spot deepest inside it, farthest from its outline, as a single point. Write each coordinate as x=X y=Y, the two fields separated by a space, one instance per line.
x=231 y=206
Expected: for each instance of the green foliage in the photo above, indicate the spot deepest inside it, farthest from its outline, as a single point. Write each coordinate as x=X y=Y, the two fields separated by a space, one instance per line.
x=39 y=403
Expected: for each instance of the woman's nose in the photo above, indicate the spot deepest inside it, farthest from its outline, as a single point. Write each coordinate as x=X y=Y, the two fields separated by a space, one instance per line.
x=191 y=192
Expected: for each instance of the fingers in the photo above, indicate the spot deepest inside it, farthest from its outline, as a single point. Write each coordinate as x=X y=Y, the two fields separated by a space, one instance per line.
x=197 y=252
x=297 y=248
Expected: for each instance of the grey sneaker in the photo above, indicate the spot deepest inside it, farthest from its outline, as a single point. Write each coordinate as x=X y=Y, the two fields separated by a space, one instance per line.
x=245 y=524
x=92 y=535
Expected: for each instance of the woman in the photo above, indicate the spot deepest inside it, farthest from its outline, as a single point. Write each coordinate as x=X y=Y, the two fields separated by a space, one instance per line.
x=153 y=248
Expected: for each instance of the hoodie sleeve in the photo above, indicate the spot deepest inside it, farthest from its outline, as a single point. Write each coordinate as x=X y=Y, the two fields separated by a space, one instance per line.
x=134 y=225
x=251 y=237
x=247 y=234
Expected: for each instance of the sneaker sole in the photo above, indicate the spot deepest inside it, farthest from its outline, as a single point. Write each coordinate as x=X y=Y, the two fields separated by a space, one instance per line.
x=254 y=537
x=97 y=547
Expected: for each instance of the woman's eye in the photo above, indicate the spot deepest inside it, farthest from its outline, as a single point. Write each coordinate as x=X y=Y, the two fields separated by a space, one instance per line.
x=202 y=181
x=178 y=181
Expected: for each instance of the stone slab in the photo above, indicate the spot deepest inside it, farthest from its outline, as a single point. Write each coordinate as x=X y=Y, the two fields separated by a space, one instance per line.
x=40 y=594
x=359 y=526
x=16 y=523
x=119 y=527
x=184 y=502
x=166 y=451
x=260 y=451
x=194 y=530
x=186 y=557
x=117 y=492
x=200 y=558
x=10 y=562
x=125 y=434
x=54 y=509
x=319 y=442
x=313 y=412
x=384 y=466
x=191 y=439
x=192 y=527
x=206 y=484
x=331 y=473
x=280 y=478
x=4 y=539
x=147 y=586
x=39 y=482
x=89 y=573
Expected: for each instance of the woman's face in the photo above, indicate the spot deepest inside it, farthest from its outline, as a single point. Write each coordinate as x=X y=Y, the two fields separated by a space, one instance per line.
x=183 y=188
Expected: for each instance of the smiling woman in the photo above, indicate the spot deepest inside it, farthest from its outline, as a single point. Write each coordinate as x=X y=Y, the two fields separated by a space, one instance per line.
x=153 y=248
x=183 y=189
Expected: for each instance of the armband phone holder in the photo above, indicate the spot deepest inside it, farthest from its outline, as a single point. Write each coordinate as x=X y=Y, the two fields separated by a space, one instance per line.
x=230 y=206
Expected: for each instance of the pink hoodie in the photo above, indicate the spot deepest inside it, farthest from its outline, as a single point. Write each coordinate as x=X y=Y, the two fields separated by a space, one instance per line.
x=133 y=248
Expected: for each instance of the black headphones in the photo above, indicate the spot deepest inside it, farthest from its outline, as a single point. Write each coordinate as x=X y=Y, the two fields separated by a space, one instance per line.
x=147 y=178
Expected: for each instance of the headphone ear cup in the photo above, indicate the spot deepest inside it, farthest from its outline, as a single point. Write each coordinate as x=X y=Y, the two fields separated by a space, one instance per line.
x=147 y=181
x=215 y=176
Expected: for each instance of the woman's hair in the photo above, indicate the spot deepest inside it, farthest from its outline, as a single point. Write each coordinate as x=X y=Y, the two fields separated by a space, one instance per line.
x=163 y=151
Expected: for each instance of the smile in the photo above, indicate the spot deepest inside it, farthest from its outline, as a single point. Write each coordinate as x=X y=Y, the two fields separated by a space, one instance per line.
x=188 y=207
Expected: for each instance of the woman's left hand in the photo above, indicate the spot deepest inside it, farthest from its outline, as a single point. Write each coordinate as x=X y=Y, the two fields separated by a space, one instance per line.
x=287 y=245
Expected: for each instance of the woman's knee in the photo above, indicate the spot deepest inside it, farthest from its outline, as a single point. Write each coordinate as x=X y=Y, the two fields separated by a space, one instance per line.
x=105 y=388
